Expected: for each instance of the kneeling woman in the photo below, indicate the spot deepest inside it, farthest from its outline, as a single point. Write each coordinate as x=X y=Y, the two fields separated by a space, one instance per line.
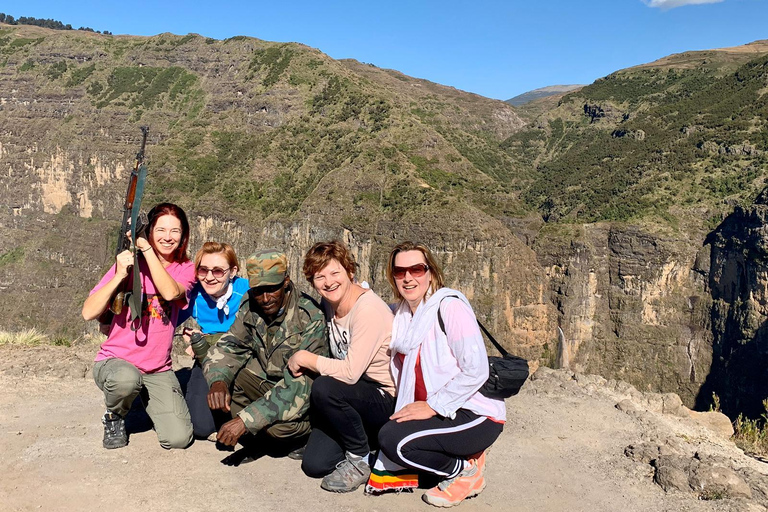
x=353 y=397
x=213 y=305
x=442 y=425
x=138 y=357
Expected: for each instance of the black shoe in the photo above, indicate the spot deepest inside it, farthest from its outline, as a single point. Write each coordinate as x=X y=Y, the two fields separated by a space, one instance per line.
x=115 y=435
x=244 y=455
x=298 y=453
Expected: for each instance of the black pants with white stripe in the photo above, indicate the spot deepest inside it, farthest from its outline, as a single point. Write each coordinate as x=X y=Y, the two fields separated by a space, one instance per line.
x=343 y=417
x=438 y=445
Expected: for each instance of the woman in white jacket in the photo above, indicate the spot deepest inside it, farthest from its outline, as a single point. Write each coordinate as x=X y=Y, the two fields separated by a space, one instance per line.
x=442 y=425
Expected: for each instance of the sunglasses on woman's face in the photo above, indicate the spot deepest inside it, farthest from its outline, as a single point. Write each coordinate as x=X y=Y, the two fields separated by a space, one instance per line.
x=417 y=270
x=217 y=272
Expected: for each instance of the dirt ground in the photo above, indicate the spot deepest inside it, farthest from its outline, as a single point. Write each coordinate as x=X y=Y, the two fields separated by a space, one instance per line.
x=562 y=449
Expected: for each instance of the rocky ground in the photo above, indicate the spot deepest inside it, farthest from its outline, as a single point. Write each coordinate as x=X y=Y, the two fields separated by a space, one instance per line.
x=572 y=442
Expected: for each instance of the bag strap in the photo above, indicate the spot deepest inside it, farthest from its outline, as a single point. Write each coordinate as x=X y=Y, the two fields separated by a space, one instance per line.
x=496 y=344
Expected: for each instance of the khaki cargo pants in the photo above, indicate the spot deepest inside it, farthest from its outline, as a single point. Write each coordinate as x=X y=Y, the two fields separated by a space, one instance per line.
x=121 y=382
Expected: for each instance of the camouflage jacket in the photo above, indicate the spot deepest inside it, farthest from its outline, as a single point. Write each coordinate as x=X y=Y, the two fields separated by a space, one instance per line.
x=303 y=327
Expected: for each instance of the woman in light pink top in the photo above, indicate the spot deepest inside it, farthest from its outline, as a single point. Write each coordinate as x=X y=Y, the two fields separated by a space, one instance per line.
x=354 y=394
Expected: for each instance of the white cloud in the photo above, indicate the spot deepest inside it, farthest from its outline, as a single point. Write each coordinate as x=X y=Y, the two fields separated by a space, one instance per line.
x=670 y=4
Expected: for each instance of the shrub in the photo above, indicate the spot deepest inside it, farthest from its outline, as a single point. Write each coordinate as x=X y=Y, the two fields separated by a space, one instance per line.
x=751 y=435
x=80 y=75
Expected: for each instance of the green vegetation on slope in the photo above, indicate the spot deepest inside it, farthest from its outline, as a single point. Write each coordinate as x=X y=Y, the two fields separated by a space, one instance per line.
x=695 y=139
x=264 y=133
x=145 y=87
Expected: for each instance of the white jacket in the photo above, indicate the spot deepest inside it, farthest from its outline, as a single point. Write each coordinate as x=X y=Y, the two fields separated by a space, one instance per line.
x=454 y=363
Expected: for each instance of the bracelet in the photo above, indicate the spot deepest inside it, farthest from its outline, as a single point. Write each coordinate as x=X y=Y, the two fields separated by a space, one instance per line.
x=147 y=249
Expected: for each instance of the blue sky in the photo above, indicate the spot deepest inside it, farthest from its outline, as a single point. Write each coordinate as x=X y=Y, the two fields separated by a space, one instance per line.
x=494 y=48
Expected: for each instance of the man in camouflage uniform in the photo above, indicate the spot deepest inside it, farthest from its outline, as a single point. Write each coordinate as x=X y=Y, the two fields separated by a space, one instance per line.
x=273 y=322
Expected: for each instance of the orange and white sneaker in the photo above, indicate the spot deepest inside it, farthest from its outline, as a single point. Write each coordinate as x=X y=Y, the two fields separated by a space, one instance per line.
x=479 y=459
x=453 y=491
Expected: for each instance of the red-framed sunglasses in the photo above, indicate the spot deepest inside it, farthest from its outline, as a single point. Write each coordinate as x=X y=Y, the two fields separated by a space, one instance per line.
x=417 y=270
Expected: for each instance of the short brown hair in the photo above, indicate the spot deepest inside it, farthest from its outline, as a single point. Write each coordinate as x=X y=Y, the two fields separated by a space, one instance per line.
x=321 y=254
x=436 y=273
x=216 y=248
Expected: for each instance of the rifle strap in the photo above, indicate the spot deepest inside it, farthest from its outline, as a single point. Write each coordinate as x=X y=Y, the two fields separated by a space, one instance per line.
x=135 y=296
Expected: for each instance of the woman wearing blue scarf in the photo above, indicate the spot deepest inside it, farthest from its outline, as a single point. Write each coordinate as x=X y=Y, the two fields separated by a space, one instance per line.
x=213 y=305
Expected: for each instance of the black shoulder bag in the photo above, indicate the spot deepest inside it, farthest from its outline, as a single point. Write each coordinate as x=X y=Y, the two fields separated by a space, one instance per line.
x=506 y=374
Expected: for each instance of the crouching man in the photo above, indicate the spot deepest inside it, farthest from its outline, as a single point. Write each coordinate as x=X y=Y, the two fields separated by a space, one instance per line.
x=247 y=368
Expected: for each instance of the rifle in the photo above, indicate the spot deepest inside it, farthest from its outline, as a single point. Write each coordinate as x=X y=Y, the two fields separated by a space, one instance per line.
x=132 y=225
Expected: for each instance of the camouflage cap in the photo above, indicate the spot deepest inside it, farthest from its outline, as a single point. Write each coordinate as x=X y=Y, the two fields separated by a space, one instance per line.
x=266 y=268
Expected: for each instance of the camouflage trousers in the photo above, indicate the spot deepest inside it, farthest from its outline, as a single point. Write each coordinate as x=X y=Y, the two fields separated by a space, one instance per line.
x=249 y=387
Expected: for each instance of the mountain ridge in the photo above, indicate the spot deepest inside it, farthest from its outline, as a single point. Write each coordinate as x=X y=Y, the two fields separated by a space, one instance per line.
x=541 y=92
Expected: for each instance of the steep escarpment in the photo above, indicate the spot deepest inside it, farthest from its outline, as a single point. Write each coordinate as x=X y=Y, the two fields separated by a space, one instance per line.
x=578 y=235
x=738 y=279
x=631 y=307
x=263 y=144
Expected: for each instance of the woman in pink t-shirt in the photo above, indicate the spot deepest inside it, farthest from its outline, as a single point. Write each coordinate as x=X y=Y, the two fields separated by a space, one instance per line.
x=354 y=394
x=136 y=356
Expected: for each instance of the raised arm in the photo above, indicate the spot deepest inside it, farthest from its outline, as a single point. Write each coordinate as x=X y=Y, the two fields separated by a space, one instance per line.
x=166 y=286
x=99 y=300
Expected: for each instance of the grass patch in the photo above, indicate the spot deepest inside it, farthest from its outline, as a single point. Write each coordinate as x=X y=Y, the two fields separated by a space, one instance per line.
x=752 y=435
x=21 y=42
x=145 y=87
x=273 y=61
x=56 y=70
x=27 y=66
x=27 y=338
x=12 y=256
x=714 y=494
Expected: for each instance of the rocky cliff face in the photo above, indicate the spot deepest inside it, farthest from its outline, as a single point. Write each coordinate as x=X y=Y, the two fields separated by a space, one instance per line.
x=242 y=133
x=494 y=269
x=631 y=306
x=738 y=280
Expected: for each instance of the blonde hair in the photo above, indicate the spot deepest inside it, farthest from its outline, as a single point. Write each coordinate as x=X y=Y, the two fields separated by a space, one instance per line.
x=216 y=248
x=435 y=272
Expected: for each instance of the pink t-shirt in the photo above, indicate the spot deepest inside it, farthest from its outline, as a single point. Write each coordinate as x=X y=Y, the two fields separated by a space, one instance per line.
x=149 y=347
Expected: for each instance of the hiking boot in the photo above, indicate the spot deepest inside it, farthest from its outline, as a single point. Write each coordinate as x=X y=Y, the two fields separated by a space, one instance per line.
x=350 y=473
x=115 y=435
x=453 y=491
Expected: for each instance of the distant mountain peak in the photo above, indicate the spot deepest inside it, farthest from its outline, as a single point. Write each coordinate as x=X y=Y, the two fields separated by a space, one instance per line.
x=542 y=92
